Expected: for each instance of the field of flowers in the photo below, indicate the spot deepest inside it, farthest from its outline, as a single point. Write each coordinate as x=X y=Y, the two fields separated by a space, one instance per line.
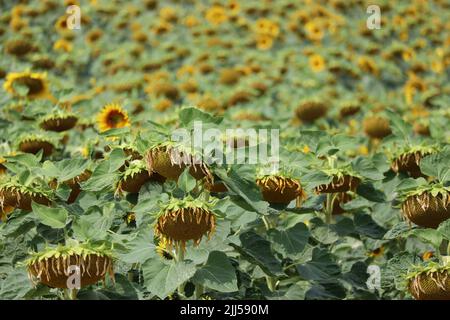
x=106 y=194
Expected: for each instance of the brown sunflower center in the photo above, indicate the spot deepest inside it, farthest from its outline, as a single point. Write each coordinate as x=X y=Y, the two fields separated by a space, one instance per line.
x=35 y=86
x=115 y=118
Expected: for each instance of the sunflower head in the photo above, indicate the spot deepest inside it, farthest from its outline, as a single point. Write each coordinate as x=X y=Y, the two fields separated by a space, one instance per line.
x=186 y=219
x=29 y=84
x=112 y=116
x=378 y=252
x=51 y=266
x=33 y=143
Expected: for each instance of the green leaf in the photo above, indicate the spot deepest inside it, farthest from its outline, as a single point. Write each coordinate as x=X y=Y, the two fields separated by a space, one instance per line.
x=15 y=285
x=290 y=242
x=368 y=191
x=399 y=126
x=65 y=169
x=366 y=168
x=140 y=248
x=52 y=217
x=444 y=229
x=162 y=278
x=365 y=225
x=321 y=267
x=248 y=190
x=431 y=236
x=218 y=273
x=188 y=115
x=186 y=182
x=93 y=226
x=257 y=250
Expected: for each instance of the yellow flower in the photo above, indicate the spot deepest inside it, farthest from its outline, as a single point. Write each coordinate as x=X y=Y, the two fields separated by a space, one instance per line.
x=408 y=54
x=427 y=255
x=2 y=167
x=85 y=151
x=185 y=70
x=412 y=86
x=378 y=252
x=234 y=6
x=363 y=150
x=313 y=31
x=316 y=62
x=63 y=45
x=216 y=15
x=264 y=42
x=267 y=27
x=35 y=83
x=306 y=149
x=112 y=116
x=368 y=65
x=437 y=66
x=162 y=249
x=168 y=14
x=191 y=21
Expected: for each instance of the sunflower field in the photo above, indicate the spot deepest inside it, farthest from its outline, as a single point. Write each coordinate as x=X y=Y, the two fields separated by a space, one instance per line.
x=351 y=201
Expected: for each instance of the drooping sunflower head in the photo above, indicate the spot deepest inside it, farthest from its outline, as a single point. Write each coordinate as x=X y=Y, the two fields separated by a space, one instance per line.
x=30 y=84
x=427 y=205
x=16 y=194
x=35 y=142
x=181 y=220
x=429 y=281
x=408 y=159
x=279 y=186
x=52 y=266
x=58 y=121
x=340 y=180
x=133 y=177
x=112 y=116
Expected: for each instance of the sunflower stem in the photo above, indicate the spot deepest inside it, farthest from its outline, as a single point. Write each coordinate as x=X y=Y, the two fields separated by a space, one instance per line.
x=271 y=283
x=73 y=294
x=328 y=208
x=266 y=223
x=199 y=290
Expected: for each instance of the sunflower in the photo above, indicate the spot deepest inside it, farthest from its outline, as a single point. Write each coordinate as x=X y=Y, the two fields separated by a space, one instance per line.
x=264 y=42
x=366 y=64
x=313 y=31
x=186 y=219
x=216 y=15
x=266 y=27
x=316 y=62
x=36 y=84
x=378 y=252
x=2 y=167
x=163 y=250
x=63 y=45
x=50 y=266
x=19 y=47
x=112 y=116
x=427 y=255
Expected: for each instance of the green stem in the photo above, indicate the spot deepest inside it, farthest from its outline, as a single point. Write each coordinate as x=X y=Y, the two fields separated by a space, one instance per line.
x=271 y=283
x=266 y=222
x=179 y=257
x=199 y=290
x=73 y=294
